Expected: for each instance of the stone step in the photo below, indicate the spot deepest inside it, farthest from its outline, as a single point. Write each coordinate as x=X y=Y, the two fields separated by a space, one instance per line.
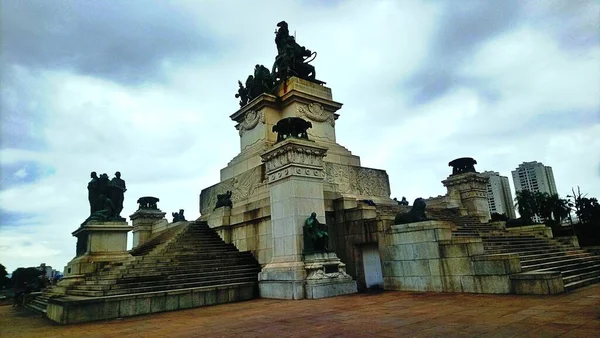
x=165 y=282
x=183 y=280
x=560 y=264
x=581 y=283
x=214 y=283
x=526 y=257
x=526 y=252
x=581 y=273
x=171 y=268
x=531 y=261
x=40 y=309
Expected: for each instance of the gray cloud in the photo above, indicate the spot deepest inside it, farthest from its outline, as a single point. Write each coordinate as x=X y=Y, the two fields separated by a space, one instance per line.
x=459 y=31
x=126 y=41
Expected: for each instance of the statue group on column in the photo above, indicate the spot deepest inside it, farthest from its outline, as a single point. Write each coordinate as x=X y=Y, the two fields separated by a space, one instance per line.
x=106 y=197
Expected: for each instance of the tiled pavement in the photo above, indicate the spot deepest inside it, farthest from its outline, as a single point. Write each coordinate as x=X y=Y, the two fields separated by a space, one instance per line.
x=388 y=314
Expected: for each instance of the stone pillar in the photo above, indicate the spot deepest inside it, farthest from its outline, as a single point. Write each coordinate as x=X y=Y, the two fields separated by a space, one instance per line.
x=469 y=190
x=143 y=221
x=98 y=244
x=295 y=175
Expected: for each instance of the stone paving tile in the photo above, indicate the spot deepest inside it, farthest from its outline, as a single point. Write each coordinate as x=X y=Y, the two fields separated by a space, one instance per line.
x=387 y=314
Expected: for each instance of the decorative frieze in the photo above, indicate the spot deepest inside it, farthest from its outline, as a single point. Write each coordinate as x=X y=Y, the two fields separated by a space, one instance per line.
x=294 y=158
x=359 y=181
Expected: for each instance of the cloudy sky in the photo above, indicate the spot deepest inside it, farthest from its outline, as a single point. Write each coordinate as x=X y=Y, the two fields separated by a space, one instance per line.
x=147 y=87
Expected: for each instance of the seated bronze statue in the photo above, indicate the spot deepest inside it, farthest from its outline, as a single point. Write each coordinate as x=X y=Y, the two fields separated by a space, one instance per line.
x=416 y=213
x=316 y=238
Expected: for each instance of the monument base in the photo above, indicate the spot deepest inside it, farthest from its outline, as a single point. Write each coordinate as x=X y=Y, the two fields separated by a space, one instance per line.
x=321 y=275
x=326 y=276
x=98 y=244
x=282 y=281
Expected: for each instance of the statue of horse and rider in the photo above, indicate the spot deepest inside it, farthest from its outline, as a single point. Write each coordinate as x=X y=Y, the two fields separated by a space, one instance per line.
x=291 y=60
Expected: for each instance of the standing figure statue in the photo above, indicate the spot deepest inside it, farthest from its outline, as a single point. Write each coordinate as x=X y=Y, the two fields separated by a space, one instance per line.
x=93 y=193
x=117 y=192
x=107 y=211
x=316 y=238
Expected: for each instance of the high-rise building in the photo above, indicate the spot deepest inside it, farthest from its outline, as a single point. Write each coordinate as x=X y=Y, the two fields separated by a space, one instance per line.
x=499 y=196
x=534 y=176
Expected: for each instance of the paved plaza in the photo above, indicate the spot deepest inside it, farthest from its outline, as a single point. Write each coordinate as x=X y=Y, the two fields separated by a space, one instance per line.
x=387 y=314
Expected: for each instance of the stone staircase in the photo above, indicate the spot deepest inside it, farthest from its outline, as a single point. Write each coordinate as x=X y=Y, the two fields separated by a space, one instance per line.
x=189 y=258
x=536 y=253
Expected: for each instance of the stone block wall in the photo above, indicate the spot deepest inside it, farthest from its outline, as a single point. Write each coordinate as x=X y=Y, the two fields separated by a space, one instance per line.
x=423 y=256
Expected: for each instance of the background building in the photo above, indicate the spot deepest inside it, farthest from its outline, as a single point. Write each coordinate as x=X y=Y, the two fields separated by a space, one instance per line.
x=500 y=199
x=534 y=176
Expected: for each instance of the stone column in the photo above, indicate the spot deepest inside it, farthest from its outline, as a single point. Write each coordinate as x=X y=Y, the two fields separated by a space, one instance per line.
x=295 y=175
x=143 y=220
x=470 y=190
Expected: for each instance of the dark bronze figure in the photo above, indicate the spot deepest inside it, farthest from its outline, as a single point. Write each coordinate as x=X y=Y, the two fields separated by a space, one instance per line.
x=416 y=213
x=291 y=127
x=316 y=238
x=93 y=192
x=292 y=59
x=463 y=165
x=117 y=192
x=224 y=200
x=257 y=84
x=178 y=217
x=106 y=214
x=403 y=201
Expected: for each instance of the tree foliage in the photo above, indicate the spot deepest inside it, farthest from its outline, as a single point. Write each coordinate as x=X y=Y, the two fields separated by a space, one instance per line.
x=551 y=208
x=586 y=209
x=4 y=281
x=27 y=278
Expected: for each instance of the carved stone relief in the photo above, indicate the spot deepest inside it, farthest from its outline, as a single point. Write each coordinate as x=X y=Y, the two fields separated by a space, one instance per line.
x=317 y=113
x=358 y=180
x=251 y=119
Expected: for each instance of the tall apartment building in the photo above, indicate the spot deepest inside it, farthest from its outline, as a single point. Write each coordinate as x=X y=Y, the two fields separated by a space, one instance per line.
x=534 y=176
x=500 y=199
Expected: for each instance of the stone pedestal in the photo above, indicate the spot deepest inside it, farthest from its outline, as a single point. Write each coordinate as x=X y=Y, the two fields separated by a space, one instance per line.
x=143 y=221
x=294 y=170
x=469 y=191
x=326 y=276
x=98 y=244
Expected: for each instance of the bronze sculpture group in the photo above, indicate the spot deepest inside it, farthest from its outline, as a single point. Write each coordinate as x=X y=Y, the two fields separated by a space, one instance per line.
x=224 y=200
x=178 y=216
x=106 y=197
x=291 y=60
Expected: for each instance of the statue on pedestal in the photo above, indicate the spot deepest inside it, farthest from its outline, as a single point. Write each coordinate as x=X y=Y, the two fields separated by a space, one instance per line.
x=294 y=127
x=178 y=217
x=261 y=82
x=93 y=192
x=316 y=238
x=117 y=192
x=292 y=59
x=403 y=201
x=416 y=213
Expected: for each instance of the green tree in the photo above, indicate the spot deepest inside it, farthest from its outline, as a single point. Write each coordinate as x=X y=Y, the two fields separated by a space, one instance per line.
x=4 y=281
x=525 y=203
x=22 y=277
x=586 y=209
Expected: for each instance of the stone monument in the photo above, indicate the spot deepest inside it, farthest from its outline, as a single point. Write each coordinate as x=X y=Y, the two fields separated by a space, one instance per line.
x=147 y=216
x=290 y=125
x=102 y=237
x=467 y=188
